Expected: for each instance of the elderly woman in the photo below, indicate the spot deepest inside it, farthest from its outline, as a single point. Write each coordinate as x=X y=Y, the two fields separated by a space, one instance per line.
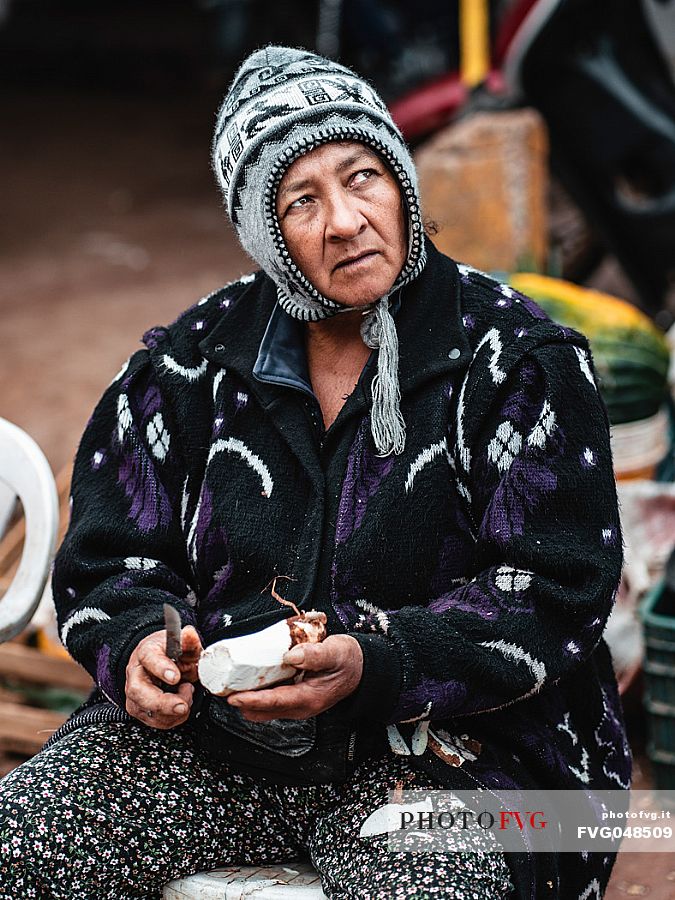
x=421 y=453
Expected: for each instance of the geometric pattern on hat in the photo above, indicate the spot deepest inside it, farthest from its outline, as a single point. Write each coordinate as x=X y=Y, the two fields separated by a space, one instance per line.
x=284 y=102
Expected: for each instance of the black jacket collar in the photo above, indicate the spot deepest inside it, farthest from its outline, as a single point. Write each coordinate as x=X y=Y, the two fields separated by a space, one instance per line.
x=429 y=324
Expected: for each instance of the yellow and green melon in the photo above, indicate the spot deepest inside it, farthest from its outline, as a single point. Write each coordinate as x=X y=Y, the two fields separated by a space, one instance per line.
x=631 y=354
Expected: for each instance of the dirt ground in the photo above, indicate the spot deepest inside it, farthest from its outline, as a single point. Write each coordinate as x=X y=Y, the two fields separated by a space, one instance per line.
x=111 y=223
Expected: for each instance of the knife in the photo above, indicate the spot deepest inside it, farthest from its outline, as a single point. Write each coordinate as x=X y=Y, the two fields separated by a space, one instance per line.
x=174 y=648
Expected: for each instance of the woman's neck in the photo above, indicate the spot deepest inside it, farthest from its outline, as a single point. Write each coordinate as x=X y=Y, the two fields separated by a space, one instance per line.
x=336 y=355
x=335 y=341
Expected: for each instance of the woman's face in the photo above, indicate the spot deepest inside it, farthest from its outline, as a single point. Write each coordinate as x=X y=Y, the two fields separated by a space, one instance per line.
x=342 y=219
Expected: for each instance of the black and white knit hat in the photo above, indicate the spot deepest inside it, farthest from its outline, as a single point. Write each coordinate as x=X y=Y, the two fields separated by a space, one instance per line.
x=282 y=103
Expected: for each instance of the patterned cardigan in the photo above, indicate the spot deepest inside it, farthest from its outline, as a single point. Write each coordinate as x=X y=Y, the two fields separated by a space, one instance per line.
x=477 y=569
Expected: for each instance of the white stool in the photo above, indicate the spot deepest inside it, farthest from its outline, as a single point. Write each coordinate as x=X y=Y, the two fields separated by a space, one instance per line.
x=294 y=881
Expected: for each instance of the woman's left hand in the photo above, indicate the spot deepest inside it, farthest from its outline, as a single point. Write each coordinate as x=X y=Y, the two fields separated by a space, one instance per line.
x=332 y=670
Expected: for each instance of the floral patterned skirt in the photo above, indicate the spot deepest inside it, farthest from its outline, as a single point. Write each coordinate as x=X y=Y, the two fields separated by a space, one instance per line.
x=118 y=810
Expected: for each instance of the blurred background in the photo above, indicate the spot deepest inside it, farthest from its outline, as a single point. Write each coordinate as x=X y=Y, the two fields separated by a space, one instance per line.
x=544 y=134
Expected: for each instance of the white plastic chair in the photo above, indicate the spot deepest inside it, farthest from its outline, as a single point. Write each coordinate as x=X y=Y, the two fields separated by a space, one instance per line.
x=25 y=473
x=291 y=881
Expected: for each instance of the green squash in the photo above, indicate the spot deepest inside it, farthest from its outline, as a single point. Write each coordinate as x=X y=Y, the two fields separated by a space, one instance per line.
x=630 y=353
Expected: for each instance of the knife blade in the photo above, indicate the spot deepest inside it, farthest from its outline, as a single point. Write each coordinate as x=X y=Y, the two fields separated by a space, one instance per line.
x=174 y=648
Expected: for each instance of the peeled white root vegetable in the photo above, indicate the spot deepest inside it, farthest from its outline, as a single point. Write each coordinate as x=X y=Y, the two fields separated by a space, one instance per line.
x=255 y=660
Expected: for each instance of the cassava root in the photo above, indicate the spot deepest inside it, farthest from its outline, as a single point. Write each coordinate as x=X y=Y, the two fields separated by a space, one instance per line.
x=255 y=660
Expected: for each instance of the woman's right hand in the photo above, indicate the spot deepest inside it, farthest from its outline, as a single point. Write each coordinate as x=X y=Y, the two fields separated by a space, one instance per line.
x=149 y=667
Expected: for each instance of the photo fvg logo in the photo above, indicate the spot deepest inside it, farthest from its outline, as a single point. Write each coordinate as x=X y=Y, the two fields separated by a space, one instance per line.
x=502 y=820
x=583 y=820
x=444 y=813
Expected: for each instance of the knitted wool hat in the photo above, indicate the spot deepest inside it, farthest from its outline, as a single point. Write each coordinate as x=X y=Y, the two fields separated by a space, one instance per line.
x=283 y=103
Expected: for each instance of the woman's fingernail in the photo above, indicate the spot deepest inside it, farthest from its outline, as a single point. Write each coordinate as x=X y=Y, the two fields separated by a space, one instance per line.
x=180 y=708
x=234 y=702
x=169 y=675
x=294 y=658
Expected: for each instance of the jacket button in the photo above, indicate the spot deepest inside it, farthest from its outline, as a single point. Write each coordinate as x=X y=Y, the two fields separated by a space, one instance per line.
x=453 y=354
x=219 y=348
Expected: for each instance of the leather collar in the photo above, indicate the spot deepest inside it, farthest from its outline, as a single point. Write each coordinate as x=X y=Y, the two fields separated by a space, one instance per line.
x=432 y=338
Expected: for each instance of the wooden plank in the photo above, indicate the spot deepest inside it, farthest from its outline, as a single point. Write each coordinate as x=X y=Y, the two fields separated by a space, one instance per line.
x=11 y=545
x=32 y=666
x=7 y=505
x=9 y=761
x=8 y=696
x=24 y=729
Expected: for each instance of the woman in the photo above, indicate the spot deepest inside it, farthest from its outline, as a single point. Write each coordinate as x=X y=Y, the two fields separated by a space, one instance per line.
x=421 y=454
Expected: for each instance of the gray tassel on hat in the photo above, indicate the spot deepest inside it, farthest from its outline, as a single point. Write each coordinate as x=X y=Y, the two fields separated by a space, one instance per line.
x=378 y=330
